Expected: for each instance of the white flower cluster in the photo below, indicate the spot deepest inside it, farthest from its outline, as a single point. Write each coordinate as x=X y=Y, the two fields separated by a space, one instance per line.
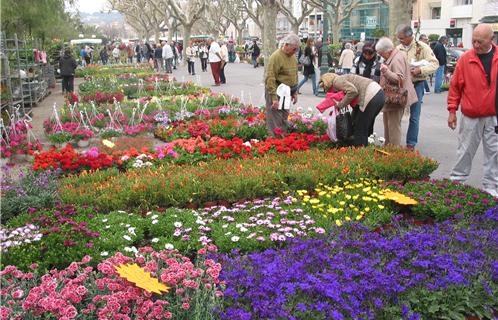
x=142 y=161
x=15 y=237
x=378 y=141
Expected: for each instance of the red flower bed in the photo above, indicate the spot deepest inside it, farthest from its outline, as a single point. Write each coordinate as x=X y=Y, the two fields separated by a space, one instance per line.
x=68 y=159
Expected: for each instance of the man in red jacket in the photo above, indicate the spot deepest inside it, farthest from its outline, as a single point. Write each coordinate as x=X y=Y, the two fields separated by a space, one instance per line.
x=474 y=86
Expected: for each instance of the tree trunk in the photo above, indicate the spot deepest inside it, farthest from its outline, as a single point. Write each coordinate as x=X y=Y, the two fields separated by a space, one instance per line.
x=187 y=31
x=400 y=12
x=336 y=27
x=240 y=35
x=295 y=28
x=171 y=33
x=270 y=29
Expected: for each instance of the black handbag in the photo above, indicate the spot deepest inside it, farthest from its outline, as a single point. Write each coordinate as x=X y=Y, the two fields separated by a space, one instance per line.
x=344 y=124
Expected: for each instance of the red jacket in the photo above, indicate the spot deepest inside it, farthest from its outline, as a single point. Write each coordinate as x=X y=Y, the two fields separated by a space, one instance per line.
x=470 y=88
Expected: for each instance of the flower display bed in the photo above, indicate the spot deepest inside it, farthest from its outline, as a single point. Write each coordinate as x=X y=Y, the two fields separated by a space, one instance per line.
x=223 y=221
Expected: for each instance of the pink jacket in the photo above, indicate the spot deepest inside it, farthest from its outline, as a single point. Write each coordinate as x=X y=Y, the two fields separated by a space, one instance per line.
x=331 y=99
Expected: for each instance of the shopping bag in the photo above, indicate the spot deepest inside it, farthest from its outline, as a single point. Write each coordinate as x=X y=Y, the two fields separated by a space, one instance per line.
x=330 y=118
x=344 y=124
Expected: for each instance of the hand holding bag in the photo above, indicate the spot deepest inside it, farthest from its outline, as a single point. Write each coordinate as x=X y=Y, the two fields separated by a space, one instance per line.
x=344 y=124
x=395 y=94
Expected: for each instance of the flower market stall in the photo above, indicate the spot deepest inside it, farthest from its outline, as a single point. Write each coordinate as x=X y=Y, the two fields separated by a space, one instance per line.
x=181 y=206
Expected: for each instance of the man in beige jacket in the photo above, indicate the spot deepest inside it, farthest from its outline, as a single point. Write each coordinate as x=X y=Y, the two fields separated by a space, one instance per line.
x=423 y=63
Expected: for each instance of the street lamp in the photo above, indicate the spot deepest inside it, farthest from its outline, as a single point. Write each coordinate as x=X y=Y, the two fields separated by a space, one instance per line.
x=324 y=66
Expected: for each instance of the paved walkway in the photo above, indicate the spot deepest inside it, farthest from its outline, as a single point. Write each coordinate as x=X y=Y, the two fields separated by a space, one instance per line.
x=436 y=140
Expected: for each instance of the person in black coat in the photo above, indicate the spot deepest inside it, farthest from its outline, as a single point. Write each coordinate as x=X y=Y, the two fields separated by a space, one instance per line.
x=440 y=53
x=309 y=70
x=255 y=54
x=67 y=65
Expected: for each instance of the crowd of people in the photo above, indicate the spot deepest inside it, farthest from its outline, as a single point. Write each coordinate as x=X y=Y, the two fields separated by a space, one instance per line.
x=392 y=79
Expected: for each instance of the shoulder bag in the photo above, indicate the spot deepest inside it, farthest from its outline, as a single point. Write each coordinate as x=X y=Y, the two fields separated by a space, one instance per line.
x=395 y=94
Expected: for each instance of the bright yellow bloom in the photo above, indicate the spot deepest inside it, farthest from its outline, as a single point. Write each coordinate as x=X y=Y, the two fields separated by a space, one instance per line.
x=338 y=222
x=347 y=218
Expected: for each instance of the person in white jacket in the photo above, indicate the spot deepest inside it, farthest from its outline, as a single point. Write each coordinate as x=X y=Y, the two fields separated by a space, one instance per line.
x=346 y=59
x=168 y=57
x=224 y=57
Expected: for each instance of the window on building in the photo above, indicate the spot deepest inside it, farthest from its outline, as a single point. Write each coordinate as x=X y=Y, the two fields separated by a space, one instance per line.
x=436 y=13
x=463 y=2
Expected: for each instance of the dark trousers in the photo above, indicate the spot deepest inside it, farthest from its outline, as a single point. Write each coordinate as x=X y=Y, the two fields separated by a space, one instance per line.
x=191 y=69
x=67 y=84
x=204 y=64
x=363 y=122
x=222 y=74
x=215 y=69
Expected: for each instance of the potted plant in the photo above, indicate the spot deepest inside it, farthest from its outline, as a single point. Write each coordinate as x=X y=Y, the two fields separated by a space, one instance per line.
x=60 y=139
x=82 y=137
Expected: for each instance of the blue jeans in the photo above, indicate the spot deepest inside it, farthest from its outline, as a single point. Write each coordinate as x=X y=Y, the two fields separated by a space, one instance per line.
x=439 y=79
x=254 y=61
x=412 y=133
x=313 y=82
x=346 y=70
x=426 y=86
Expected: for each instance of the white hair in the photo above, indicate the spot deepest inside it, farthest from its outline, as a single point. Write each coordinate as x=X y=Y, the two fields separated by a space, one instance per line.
x=291 y=39
x=347 y=46
x=384 y=45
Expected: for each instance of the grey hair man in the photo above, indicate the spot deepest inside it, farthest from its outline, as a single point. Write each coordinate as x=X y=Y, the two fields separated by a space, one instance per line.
x=422 y=63
x=440 y=53
x=281 y=68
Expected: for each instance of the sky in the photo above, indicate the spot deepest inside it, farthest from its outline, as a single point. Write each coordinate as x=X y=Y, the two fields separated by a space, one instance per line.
x=90 y=6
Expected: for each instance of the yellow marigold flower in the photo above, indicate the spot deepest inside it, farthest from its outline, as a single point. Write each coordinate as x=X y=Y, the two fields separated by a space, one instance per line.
x=358 y=217
x=314 y=201
x=347 y=218
x=366 y=189
x=338 y=222
x=381 y=206
x=348 y=196
x=322 y=193
x=367 y=209
x=285 y=192
x=342 y=203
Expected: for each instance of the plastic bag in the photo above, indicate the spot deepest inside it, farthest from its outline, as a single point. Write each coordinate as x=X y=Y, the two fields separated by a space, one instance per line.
x=330 y=115
x=237 y=59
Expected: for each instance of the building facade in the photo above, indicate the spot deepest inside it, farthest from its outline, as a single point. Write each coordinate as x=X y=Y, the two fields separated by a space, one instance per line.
x=454 y=18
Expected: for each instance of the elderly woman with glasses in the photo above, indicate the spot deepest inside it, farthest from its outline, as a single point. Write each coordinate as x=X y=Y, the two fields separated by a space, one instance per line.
x=365 y=96
x=395 y=70
x=281 y=69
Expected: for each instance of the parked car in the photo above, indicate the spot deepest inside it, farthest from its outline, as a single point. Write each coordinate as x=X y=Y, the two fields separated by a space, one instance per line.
x=453 y=54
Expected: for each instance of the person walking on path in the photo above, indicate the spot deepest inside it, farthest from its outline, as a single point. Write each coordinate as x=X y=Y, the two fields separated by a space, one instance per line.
x=83 y=56
x=115 y=54
x=440 y=53
x=168 y=57
x=423 y=63
x=309 y=70
x=224 y=62
x=190 y=52
x=67 y=65
x=474 y=87
x=364 y=95
x=255 y=53
x=104 y=56
x=203 y=55
x=158 y=57
x=346 y=59
x=394 y=70
x=215 y=60
x=281 y=69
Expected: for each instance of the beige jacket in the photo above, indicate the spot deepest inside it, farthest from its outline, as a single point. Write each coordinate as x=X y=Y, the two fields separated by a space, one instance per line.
x=417 y=51
x=353 y=86
x=346 y=59
x=399 y=69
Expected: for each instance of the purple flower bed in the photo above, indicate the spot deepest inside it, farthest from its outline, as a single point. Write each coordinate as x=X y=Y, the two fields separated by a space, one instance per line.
x=357 y=274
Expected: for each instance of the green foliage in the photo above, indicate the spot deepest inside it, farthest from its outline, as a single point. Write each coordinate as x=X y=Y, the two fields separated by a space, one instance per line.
x=442 y=199
x=60 y=137
x=433 y=37
x=171 y=185
x=32 y=190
